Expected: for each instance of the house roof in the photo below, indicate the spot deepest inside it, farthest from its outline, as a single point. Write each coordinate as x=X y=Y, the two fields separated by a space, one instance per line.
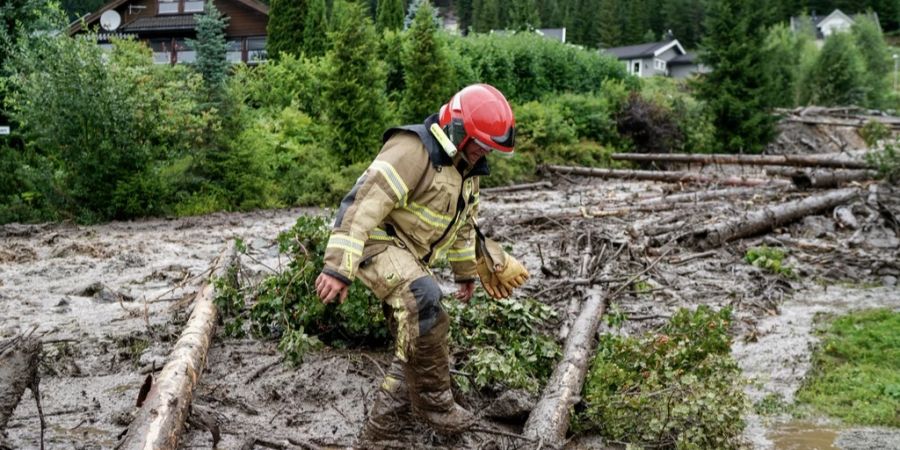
x=686 y=59
x=641 y=51
x=160 y=23
x=558 y=34
x=90 y=19
x=816 y=21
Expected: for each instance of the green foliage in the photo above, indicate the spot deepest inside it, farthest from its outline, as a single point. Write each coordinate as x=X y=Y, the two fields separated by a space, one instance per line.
x=355 y=103
x=428 y=77
x=856 y=369
x=738 y=90
x=838 y=75
x=315 y=41
x=413 y=11
x=285 y=306
x=887 y=162
x=210 y=45
x=677 y=389
x=502 y=344
x=783 y=48
x=103 y=121
x=527 y=67
x=523 y=15
x=874 y=131
x=285 y=30
x=289 y=81
x=770 y=259
x=389 y=15
x=485 y=15
x=876 y=61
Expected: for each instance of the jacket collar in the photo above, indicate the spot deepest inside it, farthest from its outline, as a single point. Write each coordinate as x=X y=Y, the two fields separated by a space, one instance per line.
x=436 y=154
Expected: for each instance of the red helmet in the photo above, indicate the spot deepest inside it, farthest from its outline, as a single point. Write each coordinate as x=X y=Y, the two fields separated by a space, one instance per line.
x=482 y=113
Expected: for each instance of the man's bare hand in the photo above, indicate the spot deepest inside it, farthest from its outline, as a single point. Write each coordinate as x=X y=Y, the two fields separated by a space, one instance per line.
x=465 y=291
x=330 y=288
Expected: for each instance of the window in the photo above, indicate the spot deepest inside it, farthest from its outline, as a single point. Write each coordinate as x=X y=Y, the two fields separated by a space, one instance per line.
x=233 y=51
x=193 y=6
x=184 y=53
x=168 y=6
x=636 y=67
x=256 y=50
x=162 y=50
x=659 y=64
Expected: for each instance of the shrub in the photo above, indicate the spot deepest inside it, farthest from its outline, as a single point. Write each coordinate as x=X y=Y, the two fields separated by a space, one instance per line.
x=651 y=127
x=874 y=131
x=770 y=259
x=887 y=162
x=679 y=388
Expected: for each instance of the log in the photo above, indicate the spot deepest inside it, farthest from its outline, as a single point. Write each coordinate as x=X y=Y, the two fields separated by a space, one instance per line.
x=160 y=421
x=699 y=196
x=757 y=222
x=659 y=175
x=18 y=370
x=517 y=187
x=549 y=420
x=821 y=178
x=837 y=160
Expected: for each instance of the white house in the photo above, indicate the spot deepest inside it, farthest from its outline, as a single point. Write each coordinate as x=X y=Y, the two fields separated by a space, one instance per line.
x=666 y=58
x=836 y=22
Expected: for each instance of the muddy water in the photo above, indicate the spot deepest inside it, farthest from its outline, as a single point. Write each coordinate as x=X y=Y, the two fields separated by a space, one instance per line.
x=780 y=358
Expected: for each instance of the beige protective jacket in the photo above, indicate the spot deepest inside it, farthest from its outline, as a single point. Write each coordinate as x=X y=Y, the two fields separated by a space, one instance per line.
x=415 y=196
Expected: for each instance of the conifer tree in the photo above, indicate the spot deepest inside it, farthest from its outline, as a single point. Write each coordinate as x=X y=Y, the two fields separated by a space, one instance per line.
x=428 y=74
x=486 y=15
x=738 y=88
x=837 y=78
x=608 y=21
x=210 y=45
x=287 y=20
x=390 y=15
x=355 y=101
x=551 y=13
x=876 y=58
x=315 y=28
x=523 y=15
x=414 y=9
x=464 y=15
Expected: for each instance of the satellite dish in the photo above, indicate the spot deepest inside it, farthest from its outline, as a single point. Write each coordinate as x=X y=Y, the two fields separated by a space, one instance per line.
x=110 y=20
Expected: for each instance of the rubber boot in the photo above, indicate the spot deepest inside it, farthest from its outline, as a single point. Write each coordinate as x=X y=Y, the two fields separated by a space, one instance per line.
x=428 y=375
x=390 y=409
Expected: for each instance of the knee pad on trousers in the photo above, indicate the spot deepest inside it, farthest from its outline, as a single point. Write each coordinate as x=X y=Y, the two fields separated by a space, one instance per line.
x=428 y=300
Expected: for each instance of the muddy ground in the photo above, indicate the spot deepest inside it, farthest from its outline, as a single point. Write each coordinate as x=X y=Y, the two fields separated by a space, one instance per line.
x=108 y=302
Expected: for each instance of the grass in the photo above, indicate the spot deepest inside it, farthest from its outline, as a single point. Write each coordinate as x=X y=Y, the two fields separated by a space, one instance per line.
x=856 y=369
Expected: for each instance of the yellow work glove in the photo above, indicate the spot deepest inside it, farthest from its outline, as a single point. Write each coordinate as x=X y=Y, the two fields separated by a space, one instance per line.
x=500 y=273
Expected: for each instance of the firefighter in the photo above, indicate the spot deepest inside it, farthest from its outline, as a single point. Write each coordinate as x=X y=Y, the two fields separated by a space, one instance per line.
x=414 y=205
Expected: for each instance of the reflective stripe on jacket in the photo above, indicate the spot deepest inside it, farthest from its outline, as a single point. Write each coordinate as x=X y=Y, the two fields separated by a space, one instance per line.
x=412 y=195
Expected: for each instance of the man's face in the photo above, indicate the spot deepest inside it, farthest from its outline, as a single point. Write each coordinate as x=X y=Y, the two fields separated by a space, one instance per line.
x=472 y=151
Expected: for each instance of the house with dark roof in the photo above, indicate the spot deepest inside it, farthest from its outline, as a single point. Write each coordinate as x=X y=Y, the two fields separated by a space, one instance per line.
x=665 y=58
x=824 y=26
x=166 y=26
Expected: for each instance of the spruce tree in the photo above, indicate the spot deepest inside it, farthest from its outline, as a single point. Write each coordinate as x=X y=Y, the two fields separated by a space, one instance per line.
x=838 y=77
x=428 y=74
x=414 y=9
x=737 y=90
x=486 y=15
x=287 y=20
x=877 y=60
x=210 y=46
x=464 y=15
x=523 y=15
x=551 y=13
x=315 y=29
x=390 y=15
x=355 y=102
x=608 y=21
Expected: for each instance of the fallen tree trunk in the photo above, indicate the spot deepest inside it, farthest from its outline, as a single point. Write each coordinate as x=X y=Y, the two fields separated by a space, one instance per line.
x=659 y=175
x=517 y=187
x=549 y=420
x=18 y=370
x=821 y=178
x=698 y=196
x=837 y=160
x=756 y=222
x=160 y=421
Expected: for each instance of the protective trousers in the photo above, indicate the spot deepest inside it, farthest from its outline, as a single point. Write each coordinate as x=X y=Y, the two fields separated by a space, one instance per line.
x=420 y=373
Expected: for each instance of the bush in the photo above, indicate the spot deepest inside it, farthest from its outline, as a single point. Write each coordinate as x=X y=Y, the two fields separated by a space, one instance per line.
x=770 y=259
x=887 y=162
x=874 y=131
x=500 y=343
x=651 y=127
x=678 y=389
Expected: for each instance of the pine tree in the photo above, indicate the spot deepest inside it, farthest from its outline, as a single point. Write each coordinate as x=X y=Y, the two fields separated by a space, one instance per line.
x=737 y=90
x=210 y=45
x=838 y=77
x=355 y=103
x=523 y=15
x=287 y=19
x=390 y=15
x=608 y=20
x=315 y=28
x=428 y=74
x=414 y=9
x=877 y=60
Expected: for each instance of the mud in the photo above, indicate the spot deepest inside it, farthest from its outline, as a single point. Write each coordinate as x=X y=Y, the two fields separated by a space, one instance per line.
x=110 y=300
